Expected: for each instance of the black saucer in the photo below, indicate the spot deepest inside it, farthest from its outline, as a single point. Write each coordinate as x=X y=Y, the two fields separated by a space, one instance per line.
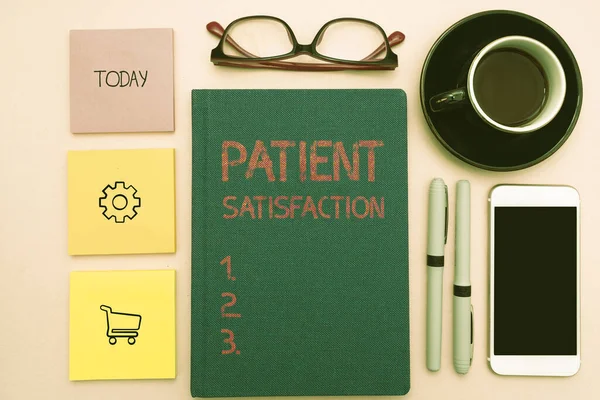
x=460 y=130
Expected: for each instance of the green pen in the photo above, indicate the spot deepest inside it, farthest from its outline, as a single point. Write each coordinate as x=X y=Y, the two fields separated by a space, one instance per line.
x=437 y=234
x=462 y=310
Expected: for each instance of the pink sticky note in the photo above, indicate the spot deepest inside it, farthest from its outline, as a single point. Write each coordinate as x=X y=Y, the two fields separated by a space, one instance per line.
x=122 y=80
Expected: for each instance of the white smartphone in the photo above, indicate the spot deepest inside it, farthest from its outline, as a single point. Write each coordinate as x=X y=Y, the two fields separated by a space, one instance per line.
x=534 y=280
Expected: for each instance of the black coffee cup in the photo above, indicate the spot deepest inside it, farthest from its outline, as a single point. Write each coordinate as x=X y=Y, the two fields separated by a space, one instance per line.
x=515 y=84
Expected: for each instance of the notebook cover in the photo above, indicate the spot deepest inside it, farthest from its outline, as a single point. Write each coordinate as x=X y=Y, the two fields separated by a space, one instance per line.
x=299 y=243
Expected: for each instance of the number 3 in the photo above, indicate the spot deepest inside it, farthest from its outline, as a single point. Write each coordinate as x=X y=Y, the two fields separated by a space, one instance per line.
x=230 y=341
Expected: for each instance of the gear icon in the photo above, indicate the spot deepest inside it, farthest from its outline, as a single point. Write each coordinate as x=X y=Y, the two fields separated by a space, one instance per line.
x=119 y=201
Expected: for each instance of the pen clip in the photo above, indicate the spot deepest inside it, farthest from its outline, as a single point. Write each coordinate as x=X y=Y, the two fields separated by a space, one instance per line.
x=472 y=347
x=446 y=216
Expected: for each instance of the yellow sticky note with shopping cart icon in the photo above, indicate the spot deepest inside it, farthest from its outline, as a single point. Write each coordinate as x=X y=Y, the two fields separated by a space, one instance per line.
x=122 y=325
x=121 y=201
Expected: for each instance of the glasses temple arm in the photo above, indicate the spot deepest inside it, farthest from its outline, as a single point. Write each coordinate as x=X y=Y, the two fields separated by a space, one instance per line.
x=284 y=65
x=394 y=39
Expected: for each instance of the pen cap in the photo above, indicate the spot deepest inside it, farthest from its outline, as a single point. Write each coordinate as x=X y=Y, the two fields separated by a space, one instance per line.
x=436 y=228
x=462 y=255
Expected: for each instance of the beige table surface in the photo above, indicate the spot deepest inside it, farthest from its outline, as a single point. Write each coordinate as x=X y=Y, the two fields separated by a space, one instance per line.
x=34 y=139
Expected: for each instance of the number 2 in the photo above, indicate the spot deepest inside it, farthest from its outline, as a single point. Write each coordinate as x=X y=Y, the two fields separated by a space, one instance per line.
x=230 y=304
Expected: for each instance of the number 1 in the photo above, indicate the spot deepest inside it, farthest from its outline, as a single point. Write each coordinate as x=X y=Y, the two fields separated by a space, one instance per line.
x=227 y=260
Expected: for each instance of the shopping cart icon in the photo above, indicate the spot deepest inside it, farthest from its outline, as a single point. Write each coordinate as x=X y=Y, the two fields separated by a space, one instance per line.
x=121 y=325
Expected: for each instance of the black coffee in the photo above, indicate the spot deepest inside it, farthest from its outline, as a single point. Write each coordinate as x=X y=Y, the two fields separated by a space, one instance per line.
x=510 y=86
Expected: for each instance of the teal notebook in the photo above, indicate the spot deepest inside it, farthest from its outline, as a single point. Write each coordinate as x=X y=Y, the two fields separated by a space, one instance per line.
x=299 y=243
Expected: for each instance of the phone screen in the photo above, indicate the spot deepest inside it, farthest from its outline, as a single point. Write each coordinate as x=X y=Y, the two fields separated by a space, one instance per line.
x=535 y=281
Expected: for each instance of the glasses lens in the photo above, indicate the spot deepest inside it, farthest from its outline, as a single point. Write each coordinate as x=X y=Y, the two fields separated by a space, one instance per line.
x=352 y=41
x=257 y=38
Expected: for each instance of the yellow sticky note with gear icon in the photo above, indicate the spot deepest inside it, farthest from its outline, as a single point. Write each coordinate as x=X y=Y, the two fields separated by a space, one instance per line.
x=121 y=201
x=122 y=325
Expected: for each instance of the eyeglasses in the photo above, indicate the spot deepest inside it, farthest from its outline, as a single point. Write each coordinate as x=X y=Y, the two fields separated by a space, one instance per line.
x=341 y=44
